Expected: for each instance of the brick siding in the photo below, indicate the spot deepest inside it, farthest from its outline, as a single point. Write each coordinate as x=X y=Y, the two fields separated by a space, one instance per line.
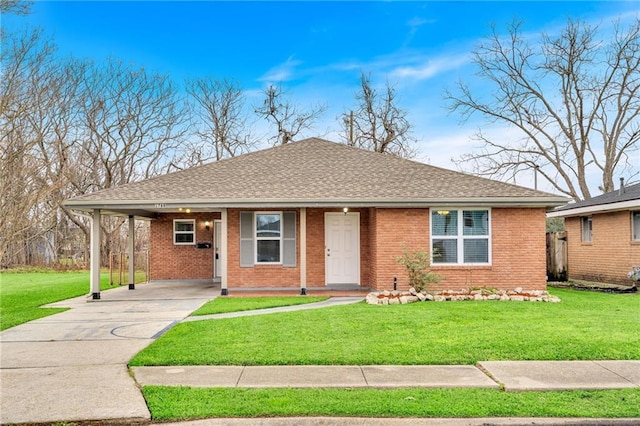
x=168 y=261
x=518 y=250
x=611 y=253
x=518 y=244
x=258 y=276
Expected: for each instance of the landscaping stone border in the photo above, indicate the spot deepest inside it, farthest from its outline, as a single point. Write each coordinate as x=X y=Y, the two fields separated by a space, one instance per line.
x=395 y=297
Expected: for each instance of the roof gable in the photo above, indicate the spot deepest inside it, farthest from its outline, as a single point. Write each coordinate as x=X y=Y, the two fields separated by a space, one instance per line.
x=315 y=172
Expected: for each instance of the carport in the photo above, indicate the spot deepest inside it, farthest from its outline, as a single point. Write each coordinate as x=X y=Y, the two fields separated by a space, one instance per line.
x=140 y=211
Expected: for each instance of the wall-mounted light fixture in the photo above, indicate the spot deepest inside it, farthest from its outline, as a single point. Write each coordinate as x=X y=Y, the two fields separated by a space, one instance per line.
x=207 y=225
x=345 y=210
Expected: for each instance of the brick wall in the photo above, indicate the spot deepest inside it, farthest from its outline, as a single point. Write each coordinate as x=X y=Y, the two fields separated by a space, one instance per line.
x=518 y=244
x=610 y=255
x=258 y=276
x=518 y=250
x=262 y=276
x=393 y=230
x=168 y=261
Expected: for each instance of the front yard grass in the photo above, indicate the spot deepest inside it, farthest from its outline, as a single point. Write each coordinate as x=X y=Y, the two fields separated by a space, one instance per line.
x=173 y=403
x=222 y=305
x=22 y=293
x=584 y=326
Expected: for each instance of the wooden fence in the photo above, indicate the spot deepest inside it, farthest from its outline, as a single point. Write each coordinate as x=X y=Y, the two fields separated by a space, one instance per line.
x=557 y=256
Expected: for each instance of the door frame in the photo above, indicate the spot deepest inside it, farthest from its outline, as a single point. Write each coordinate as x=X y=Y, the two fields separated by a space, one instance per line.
x=217 y=225
x=326 y=236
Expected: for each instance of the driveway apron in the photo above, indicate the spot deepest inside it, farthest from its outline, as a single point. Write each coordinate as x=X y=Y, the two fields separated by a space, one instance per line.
x=73 y=365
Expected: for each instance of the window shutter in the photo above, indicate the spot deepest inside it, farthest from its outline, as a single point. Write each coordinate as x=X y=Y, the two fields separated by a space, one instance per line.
x=289 y=239
x=246 y=239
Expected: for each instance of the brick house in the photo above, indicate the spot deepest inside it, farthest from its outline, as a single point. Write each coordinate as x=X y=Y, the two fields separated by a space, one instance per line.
x=316 y=214
x=603 y=235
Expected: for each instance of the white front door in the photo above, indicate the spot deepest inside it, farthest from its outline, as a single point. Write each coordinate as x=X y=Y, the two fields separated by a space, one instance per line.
x=217 y=227
x=342 y=248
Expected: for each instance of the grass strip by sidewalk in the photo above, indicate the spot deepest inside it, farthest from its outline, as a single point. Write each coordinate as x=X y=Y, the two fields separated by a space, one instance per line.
x=221 y=305
x=174 y=403
x=584 y=326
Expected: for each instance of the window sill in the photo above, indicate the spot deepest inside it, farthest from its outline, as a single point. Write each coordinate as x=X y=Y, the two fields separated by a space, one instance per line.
x=461 y=267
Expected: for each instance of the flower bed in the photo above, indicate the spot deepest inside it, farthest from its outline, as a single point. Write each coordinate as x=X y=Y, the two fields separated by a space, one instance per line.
x=387 y=297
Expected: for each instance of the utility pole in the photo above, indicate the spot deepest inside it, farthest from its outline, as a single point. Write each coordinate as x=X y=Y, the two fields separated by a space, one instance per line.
x=348 y=121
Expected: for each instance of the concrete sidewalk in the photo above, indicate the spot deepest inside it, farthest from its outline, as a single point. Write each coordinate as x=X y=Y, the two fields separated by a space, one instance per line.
x=72 y=366
x=510 y=375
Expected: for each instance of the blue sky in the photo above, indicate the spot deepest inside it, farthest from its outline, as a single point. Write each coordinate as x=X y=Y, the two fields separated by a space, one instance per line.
x=316 y=50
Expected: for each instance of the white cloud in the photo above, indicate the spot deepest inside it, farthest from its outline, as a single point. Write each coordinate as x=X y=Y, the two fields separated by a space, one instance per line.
x=428 y=68
x=416 y=22
x=282 y=72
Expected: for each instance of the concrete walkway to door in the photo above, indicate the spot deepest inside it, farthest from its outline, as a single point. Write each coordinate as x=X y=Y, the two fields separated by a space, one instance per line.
x=73 y=365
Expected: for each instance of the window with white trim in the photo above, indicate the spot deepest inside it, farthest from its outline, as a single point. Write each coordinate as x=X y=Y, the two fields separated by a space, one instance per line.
x=461 y=236
x=635 y=225
x=184 y=231
x=268 y=236
x=586 y=224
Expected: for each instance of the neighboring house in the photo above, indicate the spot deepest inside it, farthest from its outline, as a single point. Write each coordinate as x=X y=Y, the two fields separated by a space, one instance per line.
x=603 y=235
x=315 y=214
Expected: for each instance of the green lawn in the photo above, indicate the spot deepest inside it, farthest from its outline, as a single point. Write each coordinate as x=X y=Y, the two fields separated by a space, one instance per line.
x=173 y=403
x=583 y=326
x=22 y=293
x=222 y=305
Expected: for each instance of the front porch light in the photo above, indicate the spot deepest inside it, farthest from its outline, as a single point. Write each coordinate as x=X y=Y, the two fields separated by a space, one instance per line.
x=207 y=225
x=345 y=210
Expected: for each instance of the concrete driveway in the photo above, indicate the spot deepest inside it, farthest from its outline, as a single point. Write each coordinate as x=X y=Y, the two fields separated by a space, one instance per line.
x=73 y=365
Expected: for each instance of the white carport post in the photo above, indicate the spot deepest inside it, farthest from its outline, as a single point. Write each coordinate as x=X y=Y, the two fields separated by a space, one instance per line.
x=303 y=251
x=95 y=254
x=131 y=249
x=223 y=253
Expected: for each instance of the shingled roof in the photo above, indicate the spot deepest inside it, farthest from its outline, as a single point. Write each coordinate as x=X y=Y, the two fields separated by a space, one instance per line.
x=621 y=199
x=308 y=173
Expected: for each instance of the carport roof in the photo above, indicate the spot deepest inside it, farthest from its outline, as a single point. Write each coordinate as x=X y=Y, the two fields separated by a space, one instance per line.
x=310 y=173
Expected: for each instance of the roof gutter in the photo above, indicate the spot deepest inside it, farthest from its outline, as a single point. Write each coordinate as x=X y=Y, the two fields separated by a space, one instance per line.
x=162 y=205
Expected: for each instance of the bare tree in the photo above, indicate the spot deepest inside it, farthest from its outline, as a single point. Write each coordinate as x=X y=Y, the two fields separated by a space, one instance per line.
x=573 y=97
x=378 y=124
x=28 y=77
x=67 y=128
x=133 y=126
x=218 y=106
x=16 y=7
x=285 y=116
